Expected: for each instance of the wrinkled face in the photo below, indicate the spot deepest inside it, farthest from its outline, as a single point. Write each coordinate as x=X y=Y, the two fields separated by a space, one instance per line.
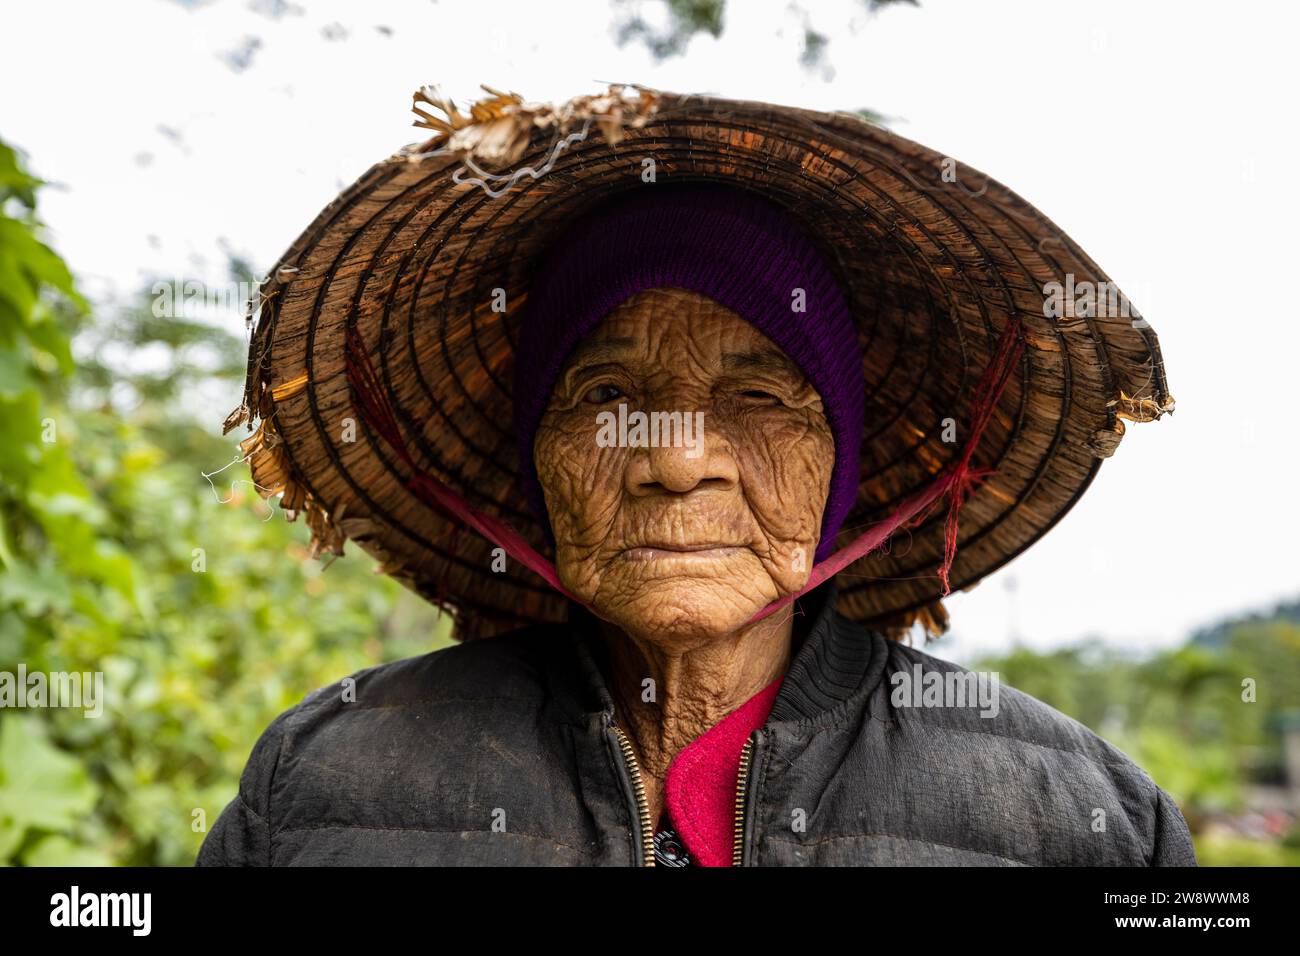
x=672 y=531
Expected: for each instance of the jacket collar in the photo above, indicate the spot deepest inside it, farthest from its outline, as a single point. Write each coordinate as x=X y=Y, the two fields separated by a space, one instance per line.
x=835 y=661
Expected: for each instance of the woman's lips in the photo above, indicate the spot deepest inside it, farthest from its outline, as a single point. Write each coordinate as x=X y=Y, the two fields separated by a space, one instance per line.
x=689 y=553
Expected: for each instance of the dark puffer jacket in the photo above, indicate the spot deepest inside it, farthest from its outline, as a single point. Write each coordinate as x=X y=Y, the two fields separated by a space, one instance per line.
x=502 y=752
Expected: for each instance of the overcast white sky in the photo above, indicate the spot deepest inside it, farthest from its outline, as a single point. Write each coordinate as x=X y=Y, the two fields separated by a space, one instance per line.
x=1162 y=136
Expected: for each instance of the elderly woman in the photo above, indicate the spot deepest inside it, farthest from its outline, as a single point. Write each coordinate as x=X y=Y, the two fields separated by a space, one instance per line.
x=630 y=408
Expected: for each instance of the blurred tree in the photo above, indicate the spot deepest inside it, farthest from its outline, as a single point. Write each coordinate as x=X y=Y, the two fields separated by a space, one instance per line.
x=686 y=18
x=117 y=555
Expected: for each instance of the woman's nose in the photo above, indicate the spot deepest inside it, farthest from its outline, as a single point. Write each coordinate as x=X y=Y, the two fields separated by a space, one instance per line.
x=693 y=457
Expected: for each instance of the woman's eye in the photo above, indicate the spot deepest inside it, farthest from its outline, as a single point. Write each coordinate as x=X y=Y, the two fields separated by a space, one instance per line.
x=600 y=394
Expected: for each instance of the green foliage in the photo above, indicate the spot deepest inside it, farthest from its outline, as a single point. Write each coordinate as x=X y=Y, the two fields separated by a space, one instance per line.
x=686 y=18
x=194 y=599
x=1238 y=851
x=42 y=789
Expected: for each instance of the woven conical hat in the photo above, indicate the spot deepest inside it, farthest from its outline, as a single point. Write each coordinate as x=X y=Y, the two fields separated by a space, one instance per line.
x=426 y=260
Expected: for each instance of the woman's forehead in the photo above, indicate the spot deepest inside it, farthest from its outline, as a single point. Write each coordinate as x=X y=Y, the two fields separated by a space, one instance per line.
x=670 y=320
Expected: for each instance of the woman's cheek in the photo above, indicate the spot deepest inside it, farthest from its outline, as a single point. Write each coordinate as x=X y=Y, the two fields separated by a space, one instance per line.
x=581 y=481
x=786 y=470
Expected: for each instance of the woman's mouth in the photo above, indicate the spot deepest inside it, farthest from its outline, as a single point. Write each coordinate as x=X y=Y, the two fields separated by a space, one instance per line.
x=694 y=553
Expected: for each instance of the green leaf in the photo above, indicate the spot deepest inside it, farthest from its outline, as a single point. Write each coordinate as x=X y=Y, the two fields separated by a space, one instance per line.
x=41 y=787
x=14 y=180
x=58 y=850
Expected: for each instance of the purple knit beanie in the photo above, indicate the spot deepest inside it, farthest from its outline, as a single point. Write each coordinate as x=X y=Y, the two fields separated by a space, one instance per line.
x=730 y=245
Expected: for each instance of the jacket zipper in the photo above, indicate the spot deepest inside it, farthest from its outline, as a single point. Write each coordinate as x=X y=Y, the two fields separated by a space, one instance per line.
x=642 y=805
x=742 y=784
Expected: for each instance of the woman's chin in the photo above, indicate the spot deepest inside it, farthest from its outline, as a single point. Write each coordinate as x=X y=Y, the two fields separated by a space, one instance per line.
x=684 y=613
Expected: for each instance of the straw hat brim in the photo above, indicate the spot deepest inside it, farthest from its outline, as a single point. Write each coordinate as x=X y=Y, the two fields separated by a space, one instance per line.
x=428 y=257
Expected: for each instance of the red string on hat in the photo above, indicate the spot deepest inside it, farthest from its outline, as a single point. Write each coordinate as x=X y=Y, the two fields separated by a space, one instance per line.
x=957 y=480
x=371 y=400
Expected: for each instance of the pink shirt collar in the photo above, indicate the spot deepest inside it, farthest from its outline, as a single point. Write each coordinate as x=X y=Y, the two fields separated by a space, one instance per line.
x=700 y=785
